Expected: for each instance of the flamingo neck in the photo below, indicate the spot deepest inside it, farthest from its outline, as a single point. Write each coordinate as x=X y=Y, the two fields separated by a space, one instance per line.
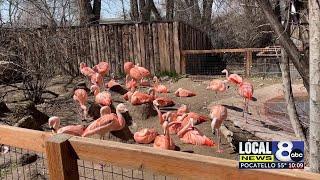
x=183 y=130
x=227 y=74
x=121 y=119
x=161 y=120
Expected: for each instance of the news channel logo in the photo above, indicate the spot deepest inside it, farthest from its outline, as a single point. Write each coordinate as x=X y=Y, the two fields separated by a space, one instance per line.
x=271 y=155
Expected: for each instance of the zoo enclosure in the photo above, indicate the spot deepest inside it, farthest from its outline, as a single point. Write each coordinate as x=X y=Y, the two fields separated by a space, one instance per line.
x=155 y=45
x=63 y=153
x=247 y=61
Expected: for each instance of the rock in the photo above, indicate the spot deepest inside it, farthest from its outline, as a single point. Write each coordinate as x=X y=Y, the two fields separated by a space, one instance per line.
x=141 y=112
x=28 y=108
x=11 y=73
x=27 y=158
x=28 y=122
x=3 y=108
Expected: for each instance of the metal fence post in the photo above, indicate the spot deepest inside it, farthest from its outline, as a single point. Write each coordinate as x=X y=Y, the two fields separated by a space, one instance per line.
x=62 y=160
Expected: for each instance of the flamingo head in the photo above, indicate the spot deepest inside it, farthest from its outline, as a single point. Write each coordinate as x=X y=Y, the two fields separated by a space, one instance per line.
x=94 y=89
x=54 y=123
x=155 y=103
x=128 y=66
x=192 y=122
x=105 y=110
x=164 y=126
x=150 y=91
x=225 y=71
x=122 y=108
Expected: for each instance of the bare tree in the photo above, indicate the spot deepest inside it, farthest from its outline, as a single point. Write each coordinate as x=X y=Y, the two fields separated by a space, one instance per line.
x=169 y=9
x=314 y=25
x=134 y=10
x=300 y=62
x=89 y=14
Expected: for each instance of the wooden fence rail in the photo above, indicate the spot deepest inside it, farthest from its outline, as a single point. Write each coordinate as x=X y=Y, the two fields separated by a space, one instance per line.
x=62 y=152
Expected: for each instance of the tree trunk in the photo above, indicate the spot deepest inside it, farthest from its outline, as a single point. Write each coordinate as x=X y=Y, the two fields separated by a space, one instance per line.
x=299 y=61
x=169 y=9
x=314 y=30
x=96 y=11
x=89 y=14
x=134 y=10
x=154 y=9
x=287 y=89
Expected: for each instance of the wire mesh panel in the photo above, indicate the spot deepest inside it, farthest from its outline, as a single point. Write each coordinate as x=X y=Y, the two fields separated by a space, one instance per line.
x=204 y=64
x=17 y=163
x=90 y=170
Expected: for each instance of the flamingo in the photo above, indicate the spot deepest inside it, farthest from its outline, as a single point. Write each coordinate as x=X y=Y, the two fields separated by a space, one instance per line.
x=159 y=88
x=197 y=118
x=138 y=98
x=107 y=122
x=165 y=141
x=218 y=114
x=182 y=109
x=132 y=84
x=164 y=101
x=246 y=91
x=112 y=84
x=184 y=93
x=97 y=79
x=103 y=98
x=232 y=78
x=81 y=96
x=54 y=124
x=127 y=67
x=218 y=85
x=86 y=71
x=143 y=71
x=192 y=135
x=145 y=136
x=102 y=68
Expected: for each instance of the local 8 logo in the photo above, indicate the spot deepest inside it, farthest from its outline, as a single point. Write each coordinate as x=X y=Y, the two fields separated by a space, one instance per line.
x=286 y=152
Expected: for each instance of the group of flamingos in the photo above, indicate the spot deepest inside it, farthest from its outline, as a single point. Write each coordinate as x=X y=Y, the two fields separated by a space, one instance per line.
x=180 y=122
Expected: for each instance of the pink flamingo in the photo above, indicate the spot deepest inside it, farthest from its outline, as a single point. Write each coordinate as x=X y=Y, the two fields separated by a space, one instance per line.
x=165 y=141
x=112 y=84
x=132 y=84
x=159 y=88
x=143 y=71
x=182 y=109
x=85 y=70
x=81 y=96
x=54 y=124
x=191 y=135
x=232 y=78
x=103 y=98
x=218 y=114
x=197 y=118
x=246 y=91
x=218 y=85
x=102 y=68
x=184 y=93
x=145 y=136
x=97 y=79
x=138 y=98
x=164 y=101
x=107 y=122
x=127 y=67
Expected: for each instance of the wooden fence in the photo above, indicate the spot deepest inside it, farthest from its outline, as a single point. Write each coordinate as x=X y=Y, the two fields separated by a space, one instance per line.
x=155 y=46
x=63 y=151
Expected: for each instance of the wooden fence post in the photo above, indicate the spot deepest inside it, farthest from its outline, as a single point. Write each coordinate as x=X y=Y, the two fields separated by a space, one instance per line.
x=248 y=65
x=183 y=64
x=62 y=160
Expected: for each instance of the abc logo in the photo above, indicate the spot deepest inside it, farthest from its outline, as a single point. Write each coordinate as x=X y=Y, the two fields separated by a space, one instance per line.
x=286 y=153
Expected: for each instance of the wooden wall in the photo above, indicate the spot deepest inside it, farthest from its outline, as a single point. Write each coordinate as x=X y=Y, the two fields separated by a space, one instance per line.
x=155 y=46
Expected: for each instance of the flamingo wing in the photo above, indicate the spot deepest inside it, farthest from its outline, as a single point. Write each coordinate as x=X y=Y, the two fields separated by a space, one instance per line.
x=76 y=130
x=100 y=126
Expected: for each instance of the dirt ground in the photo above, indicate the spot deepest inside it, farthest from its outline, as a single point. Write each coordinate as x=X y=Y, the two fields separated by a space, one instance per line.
x=64 y=107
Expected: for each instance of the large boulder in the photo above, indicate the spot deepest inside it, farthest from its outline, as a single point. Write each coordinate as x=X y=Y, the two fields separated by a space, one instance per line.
x=11 y=73
x=28 y=122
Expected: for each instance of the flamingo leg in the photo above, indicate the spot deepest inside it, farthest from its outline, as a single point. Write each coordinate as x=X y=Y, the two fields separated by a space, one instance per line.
x=244 y=107
x=219 y=140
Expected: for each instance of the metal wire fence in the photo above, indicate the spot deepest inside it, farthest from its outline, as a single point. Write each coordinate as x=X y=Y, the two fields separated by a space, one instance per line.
x=213 y=64
x=18 y=163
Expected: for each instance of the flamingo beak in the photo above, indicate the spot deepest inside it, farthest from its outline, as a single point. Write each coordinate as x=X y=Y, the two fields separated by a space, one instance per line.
x=125 y=110
x=51 y=128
